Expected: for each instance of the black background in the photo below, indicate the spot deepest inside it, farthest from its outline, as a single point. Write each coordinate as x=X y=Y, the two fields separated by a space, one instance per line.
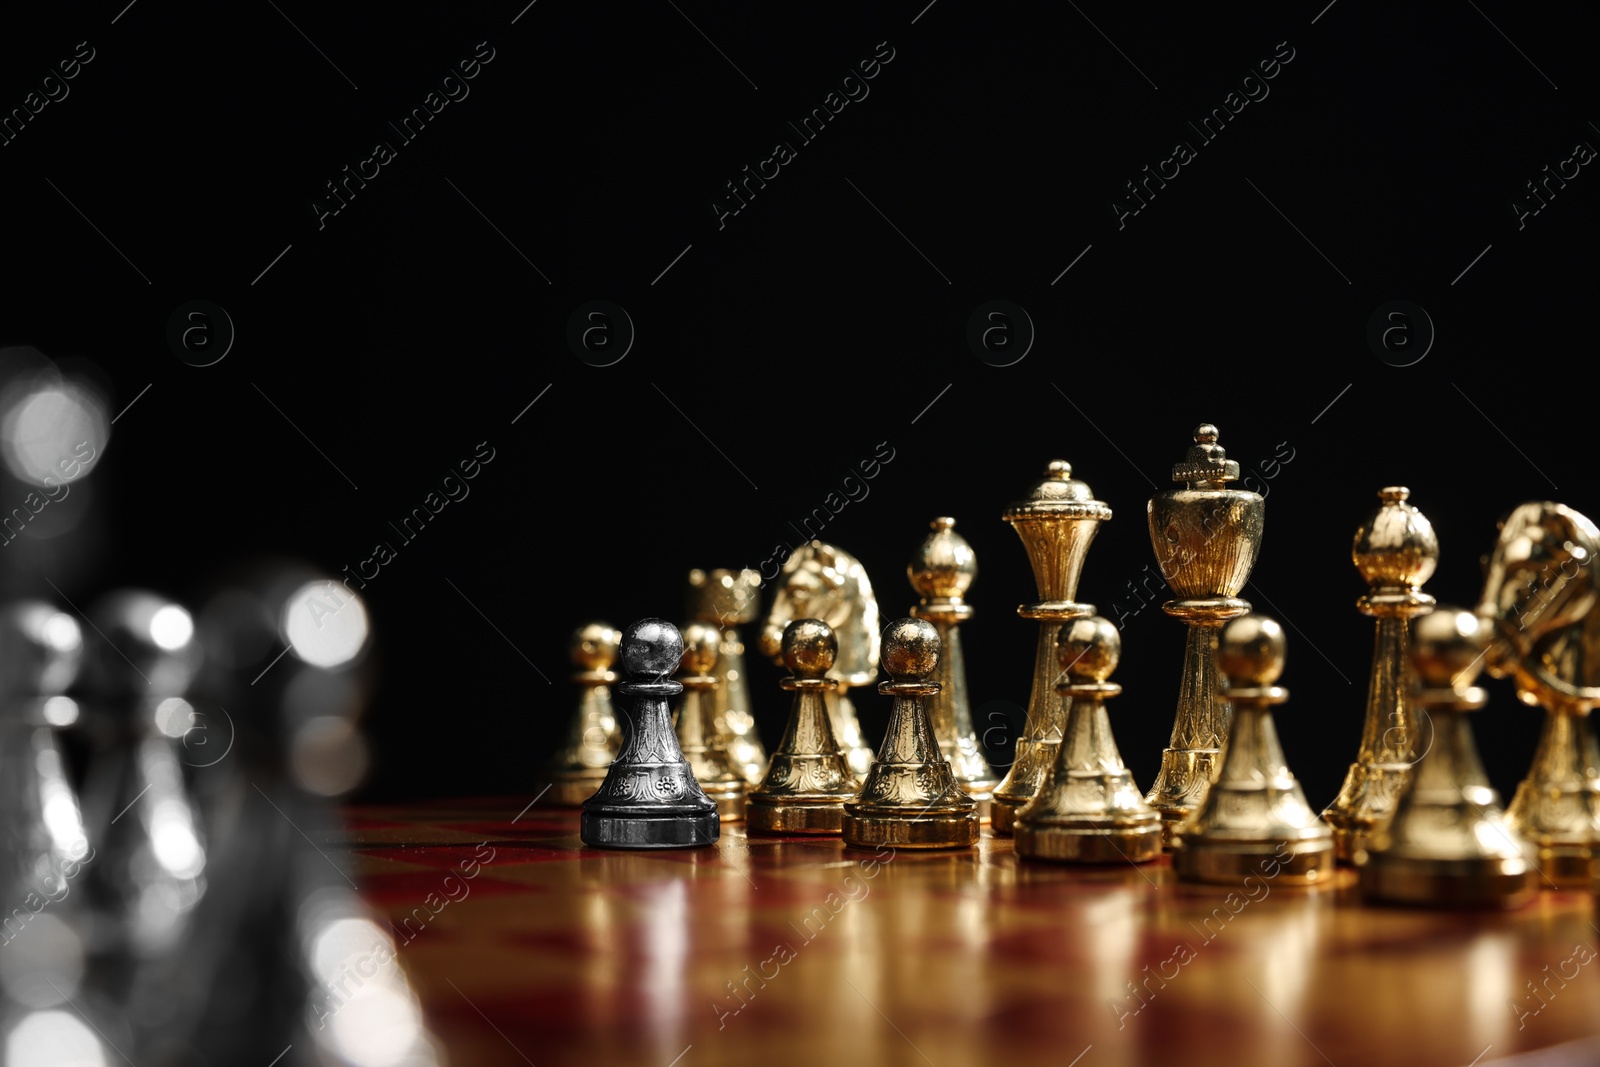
x=777 y=350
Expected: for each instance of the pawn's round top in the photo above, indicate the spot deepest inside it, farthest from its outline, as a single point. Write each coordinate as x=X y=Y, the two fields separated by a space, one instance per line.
x=910 y=649
x=651 y=650
x=150 y=646
x=1250 y=651
x=1088 y=649
x=809 y=648
x=727 y=596
x=40 y=649
x=1447 y=648
x=1396 y=545
x=594 y=646
x=702 y=645
x=945 y=565
x=1206 y=465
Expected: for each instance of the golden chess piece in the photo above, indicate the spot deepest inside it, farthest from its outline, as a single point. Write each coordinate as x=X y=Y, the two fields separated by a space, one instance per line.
x=1206 y=537
x=1396 y=551
x=911 y=798
x=728 y=599
x=1254 y=819
x=809 y=779
x=1449 y=842
x=1090 y=810
x=1541 y=594
x=595 y=736
x=822 y=581
x=1057 y=520
x=703 y=746
x=941 y=573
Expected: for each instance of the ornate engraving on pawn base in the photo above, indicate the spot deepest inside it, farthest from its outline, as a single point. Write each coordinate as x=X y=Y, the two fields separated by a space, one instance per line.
x=1056 y=521
x=650 y=798
x=1206 y=538
x=941 y=572
x=809 y=779
x=1090 y=810
x=911 y=798
x=1448 y=843
x=705 y=748
x=726 y=599
x=828 y=583
x=579 y=766
x=1396 y=551
x=1540 y=595
x=1254 y=809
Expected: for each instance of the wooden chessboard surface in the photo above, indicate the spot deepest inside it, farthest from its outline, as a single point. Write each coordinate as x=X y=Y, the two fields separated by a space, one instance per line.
x=527 y=947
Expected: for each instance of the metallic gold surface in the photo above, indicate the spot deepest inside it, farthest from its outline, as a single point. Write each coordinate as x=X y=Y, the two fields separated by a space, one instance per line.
x=1449 y=843
x=1057 y=521
x=703 y=745
x=1090 y=810
x=594 y=736
x=1206 y=537
x=911 y=798
x=1254 y=812
x=1543 y=582
x=727 y=599
x=820 y=581
x=941 y=572
x=1396 y=551
x=809 y=778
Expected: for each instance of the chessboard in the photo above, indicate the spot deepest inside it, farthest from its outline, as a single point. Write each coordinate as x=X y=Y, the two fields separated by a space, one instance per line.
x=784 y=951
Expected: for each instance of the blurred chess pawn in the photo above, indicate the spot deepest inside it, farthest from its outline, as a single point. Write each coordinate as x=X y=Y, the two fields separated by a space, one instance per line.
x=1254 y=819
x=1089 y=810
x=808 y=779
x=149 y=871
x=43 y=849
x=704 y=748
x=281 y=954
x=1449 y=842
x=941 y=572
x=911 y=798
x=727 y=600
x=595 y=735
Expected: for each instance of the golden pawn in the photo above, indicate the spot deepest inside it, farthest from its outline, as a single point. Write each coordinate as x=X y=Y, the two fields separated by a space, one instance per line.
x=1396 y=551
x=911 y=798
x=594 y=738
x=1206 y=537
x=1254 y=820
x=1056 y=521
x=1090 y=811
x=941 y=573
x=809 y=778
x=726 y=599
x=703 y=746
x=1448 y=843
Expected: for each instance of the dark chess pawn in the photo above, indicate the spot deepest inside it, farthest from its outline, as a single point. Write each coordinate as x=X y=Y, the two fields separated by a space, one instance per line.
x=150 y=860
x=911 y=798
x=650 y=798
